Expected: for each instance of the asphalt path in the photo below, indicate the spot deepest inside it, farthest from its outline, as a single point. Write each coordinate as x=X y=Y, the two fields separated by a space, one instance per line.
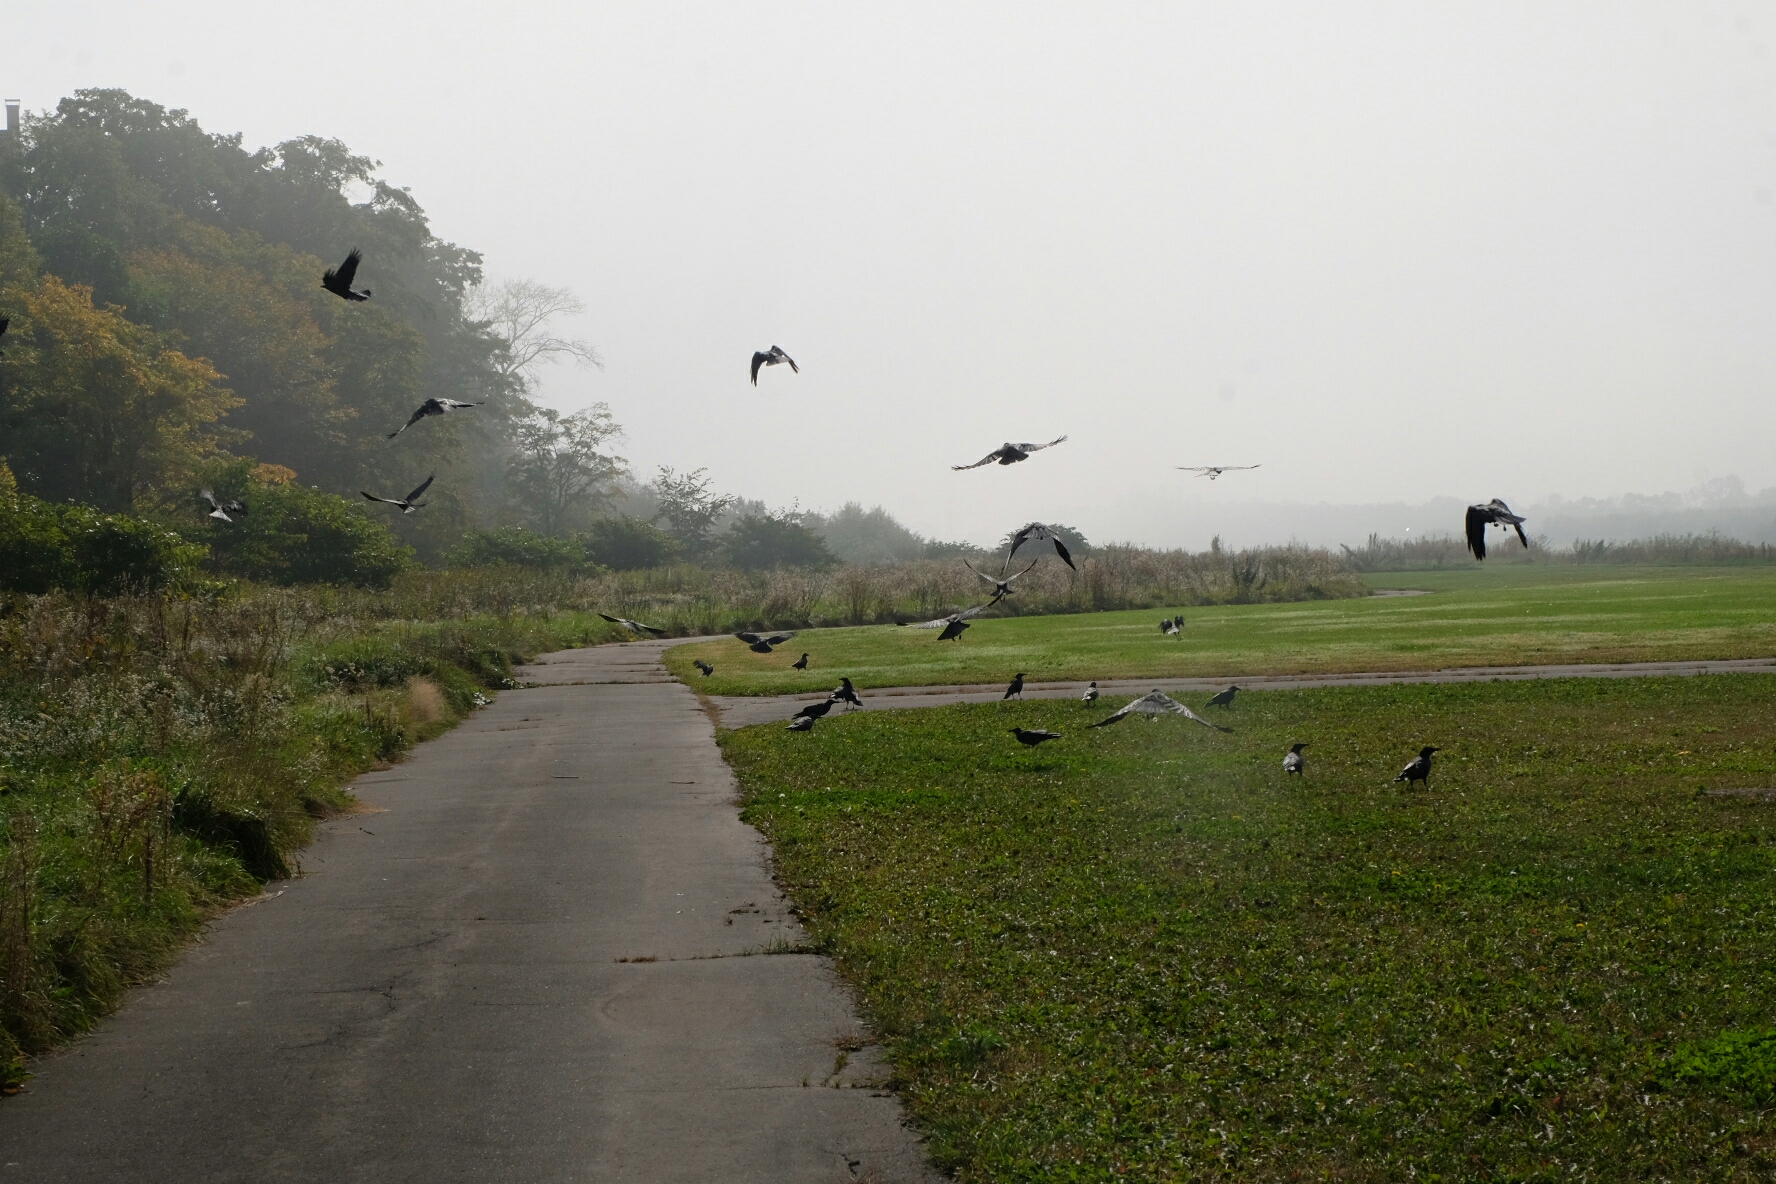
x=548 y=951
x=738 y=711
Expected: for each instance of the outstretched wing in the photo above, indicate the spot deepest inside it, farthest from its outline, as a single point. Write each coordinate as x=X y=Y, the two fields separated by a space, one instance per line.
x=1520 y=535
x=392 y=502
x=1475 y=525
x=748 y=638
x=345 y=273
x=1040 y=447
x=1061 y=550
x=988 y=459
x=758 y=360
x=1121 y=714
x=1025 y=572
x=779 y=638
x=423 y=486
x=411 y=420
x=209 y=495
x=989 y=579
x=964 y=615
x=453 y=405
x=788 y=359
x=1189 y=714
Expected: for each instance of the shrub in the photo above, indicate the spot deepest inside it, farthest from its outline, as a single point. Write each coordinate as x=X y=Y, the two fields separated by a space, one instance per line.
x=44 y=546
x=760 y=541
x=291 y=534
x=516 y=547
x=628 y=544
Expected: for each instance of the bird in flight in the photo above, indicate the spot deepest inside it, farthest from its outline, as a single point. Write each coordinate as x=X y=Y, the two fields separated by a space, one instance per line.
x=338 y=280
x=800 y=663
x=1170 y=627
x=1009 y=454
x=428 y=408
x=221 y=510
x=1224 y=699
x=1016 y=689
x=1214 y=471
x=1091 y=694
x=1031 y=737
x=1156 y=702
x=1036 y=532
x=846 y=693
x=1493 y=511
x=706 y=667
x=775 y=358
x=1419 y=769
x=953 y=630
x=954 y=624
x=635 y=625
x=407 y=504
x=1001 y=587
x=762 y=645
x=1294 y=762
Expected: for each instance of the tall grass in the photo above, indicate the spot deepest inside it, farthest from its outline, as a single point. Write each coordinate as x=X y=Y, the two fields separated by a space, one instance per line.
x=1435 y=552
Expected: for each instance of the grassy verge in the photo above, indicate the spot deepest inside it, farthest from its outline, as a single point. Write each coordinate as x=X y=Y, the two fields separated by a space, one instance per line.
x=1509 y=616
x=1140 y=952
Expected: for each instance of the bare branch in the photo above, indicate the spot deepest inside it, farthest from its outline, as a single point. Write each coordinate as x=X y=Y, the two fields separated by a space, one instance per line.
x=519 y=312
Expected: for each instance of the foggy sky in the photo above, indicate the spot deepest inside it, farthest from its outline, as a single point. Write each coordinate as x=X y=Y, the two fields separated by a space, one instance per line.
x=1390 y=251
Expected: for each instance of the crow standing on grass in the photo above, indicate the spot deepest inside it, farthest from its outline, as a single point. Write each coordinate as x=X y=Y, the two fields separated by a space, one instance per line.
x=1031 y=737
x=1419 y=769
x=1091 y=694
x=705 y=667
x=1495 y=512
x=800 y=663
x=846 y=693
x=816 y=709
x=1294 y=762
x=1016 y=689
x=1224 y=699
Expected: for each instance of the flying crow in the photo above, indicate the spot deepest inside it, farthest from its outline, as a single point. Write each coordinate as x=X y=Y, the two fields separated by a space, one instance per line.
x=221 y=510
x=1009 y=454
x=1091 y=694
x=1172 y=627
x=1493 y=511
x=846 y=693
x=1294 y=762
x=407 y=504
x=705 y=667
x=338 y=280
x=800 y=663
x=775 y=358
x=1031 y=737
x=1224 y=699
x=1001 y=587
x=762 y=645
x=1214 y=471
x=1036 y=532
x=1016 y=688
x=1157 y=702
x=1419 y=769
x=635 y=625
x=953 y=630
x=428 y=408
x=955 y=623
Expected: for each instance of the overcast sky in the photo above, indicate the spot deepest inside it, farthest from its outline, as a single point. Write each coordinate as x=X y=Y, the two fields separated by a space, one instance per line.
x=1387 y=251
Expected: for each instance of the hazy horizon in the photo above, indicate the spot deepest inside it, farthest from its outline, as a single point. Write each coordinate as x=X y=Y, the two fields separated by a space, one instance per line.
x=1393 y=255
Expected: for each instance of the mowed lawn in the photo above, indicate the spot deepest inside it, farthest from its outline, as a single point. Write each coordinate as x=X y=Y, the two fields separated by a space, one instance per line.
x=1484 y=617
x=1140 y=953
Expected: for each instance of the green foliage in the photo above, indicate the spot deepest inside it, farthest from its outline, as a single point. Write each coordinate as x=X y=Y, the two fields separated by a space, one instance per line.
x=295 y=535
x=44 y=546
x=856 y=535
x=517 y=547
x=689 y=508
x=557 y=472
x=761 y=541
x=1143 y=952
x=628 y=544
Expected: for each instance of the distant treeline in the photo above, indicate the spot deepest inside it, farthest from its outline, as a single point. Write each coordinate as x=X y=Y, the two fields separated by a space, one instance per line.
x=1434 y=552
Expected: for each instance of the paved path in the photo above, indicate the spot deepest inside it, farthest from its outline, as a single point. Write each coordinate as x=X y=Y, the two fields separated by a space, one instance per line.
x=443 y=995
x=737 y=711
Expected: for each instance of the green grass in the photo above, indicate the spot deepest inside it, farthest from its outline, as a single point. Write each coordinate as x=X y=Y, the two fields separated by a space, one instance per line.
x=1140 y=953
x=1489 y=617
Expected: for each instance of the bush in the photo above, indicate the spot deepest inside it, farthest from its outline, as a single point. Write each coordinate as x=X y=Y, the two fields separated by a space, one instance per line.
x=44 y=546
x=515 y=547
x=757 y=542
x=295 y=535
x=628 y=544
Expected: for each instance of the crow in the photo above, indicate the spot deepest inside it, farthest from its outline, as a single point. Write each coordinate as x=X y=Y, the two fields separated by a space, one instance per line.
x=219 y=511
x=1031 y=737
x=1294 y=762
x=407 y=504
x=705 y=667
x=1172 y=627
x=1091 y=694
x=4 y=321
x=846 y=693
x=1224 y=699
x=1016 y=688
x=1214 y=471
x=953 y=630
x=1156 y=702
x=1036 y=532
x=955 y=623
x=1419 y=769
x=802 y=723
x=818 y=708
x=635 y=625
x=428 y=408
x=1001 y=587
x=775 y=358
x=800 y=663
x=338 y=280
x=1009 y=454
x=762 y=645
x=1493 y=511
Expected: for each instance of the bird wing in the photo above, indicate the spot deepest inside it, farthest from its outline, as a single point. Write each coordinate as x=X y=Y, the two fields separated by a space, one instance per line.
x=749 y=638
x=1039 y=447
x=647 y=628
x=1189 y=714
x=1118 y=716
x=1008 y=579
x=1520 y=535
x=345 y=273
x=988 y=459
x=758 y=360
x=788 y=359
x=453 y=405
x=423 y=486
x=983 y=575
x=1475 y=525
x=210 y=496
x=392 y=502
x=412 y=419
x=779 y=638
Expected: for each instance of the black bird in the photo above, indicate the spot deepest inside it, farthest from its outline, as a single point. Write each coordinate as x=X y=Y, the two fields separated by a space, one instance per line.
x=221 y=510
x=1001 y=586
x=407 y=504
x=428 y=408
x=953 y=630
x=775 y=358
x=1171 y=627
x=338 y=280
x=1214 y=471
x=955 y=623
x=1419 y=769
x=1036 y=532
x=4 y=321
x=1156 y=702
x=762 y=645
x=846 y=693
x=817 y=708
x=1009 y=454
x=800 y=663
x=1493 y=511
x=1091 y=694
x=802 y=723
x=1031 y=737
x=705 y=667
x=1016 y=688
x=635 y=625
x=1294 y=762
x=1224 y=699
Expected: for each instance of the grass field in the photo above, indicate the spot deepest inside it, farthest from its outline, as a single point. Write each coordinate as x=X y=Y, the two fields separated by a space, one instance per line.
x=1487 y=617
x=1139 y=952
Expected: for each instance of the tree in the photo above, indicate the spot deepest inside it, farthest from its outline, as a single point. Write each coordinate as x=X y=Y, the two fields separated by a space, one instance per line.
x=760 y=541
x=628 y=544
x=558 y=472
x=518 y=313
x=688 y=507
